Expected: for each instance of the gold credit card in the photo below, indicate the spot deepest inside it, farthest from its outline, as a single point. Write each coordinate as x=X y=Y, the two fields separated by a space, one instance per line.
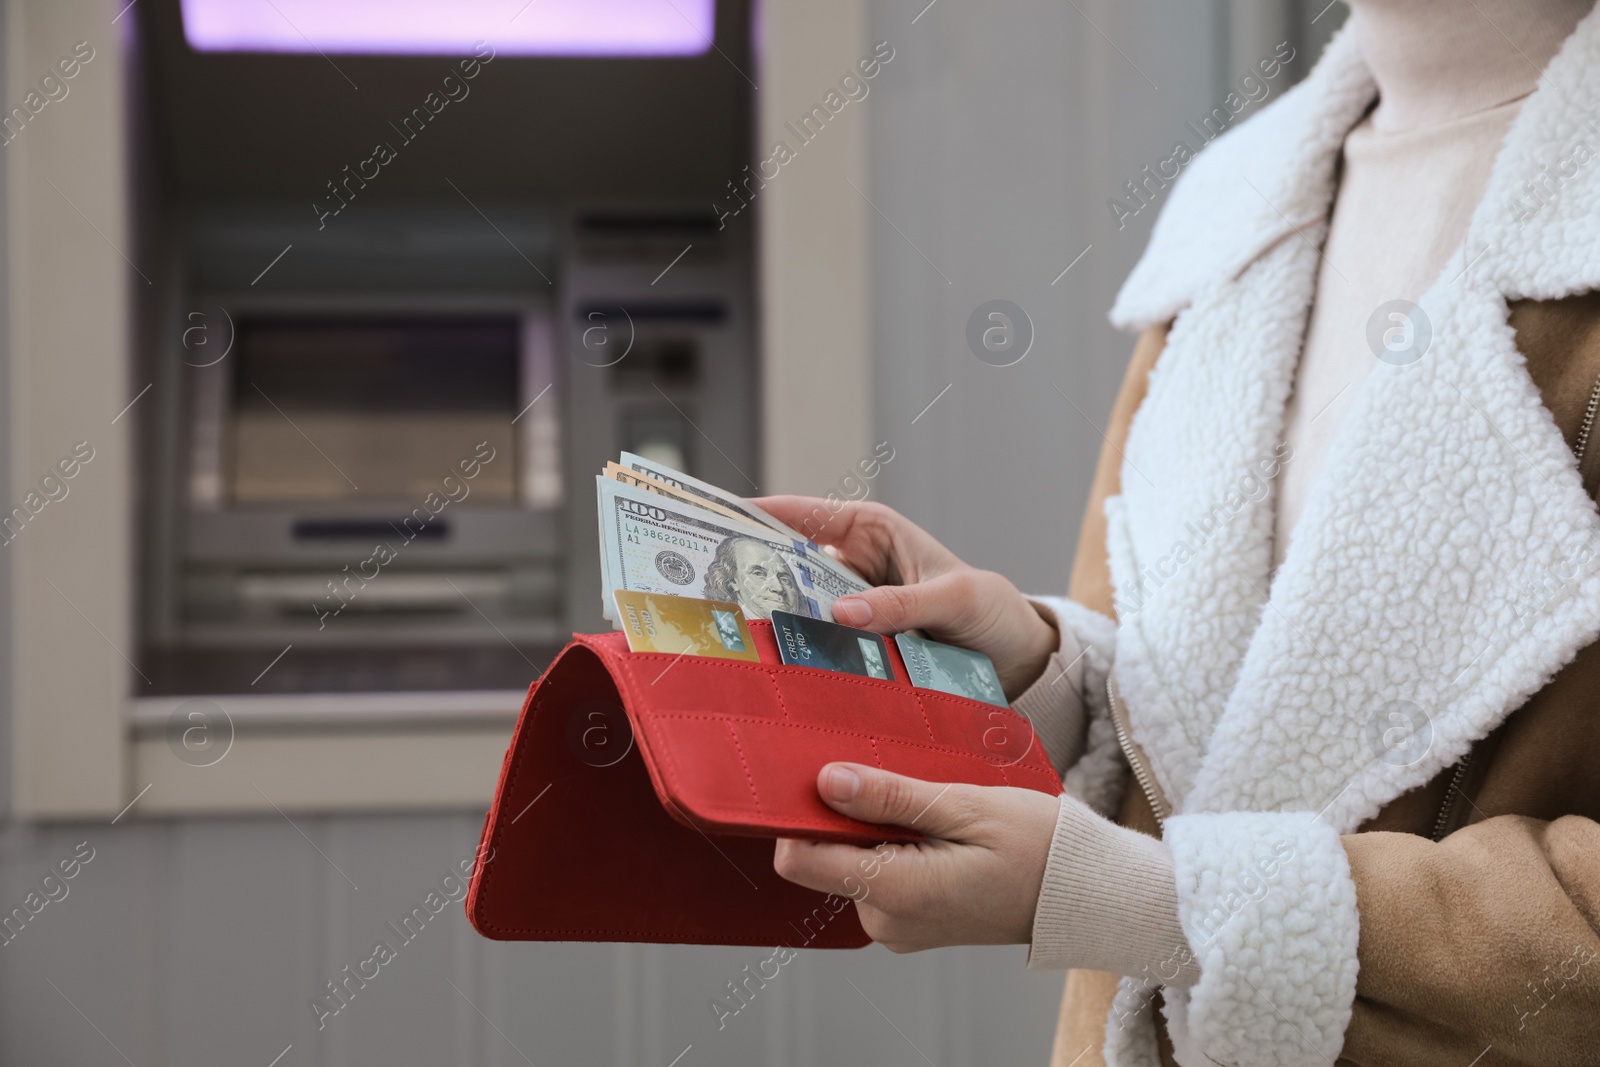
x=657 y=622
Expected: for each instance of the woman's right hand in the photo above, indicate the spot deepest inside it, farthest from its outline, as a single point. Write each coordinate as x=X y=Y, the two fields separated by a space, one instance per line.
x=920 y=584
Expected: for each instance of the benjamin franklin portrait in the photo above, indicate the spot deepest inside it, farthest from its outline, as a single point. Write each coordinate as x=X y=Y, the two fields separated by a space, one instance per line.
x=749 y=573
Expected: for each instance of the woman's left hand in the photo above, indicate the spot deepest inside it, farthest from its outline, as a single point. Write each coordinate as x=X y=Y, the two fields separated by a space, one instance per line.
x=973 y=880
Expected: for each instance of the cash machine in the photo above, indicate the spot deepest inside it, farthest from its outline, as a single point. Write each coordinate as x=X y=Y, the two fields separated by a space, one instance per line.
x=371 y=443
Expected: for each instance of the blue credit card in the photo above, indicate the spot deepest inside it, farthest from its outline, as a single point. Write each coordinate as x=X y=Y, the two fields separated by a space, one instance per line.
x=828 y=646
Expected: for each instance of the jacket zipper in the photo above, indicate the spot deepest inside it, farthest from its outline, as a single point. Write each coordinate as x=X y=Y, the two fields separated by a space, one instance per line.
x=1119 y=719
x=1453 y=795
x=1588 y=422
x=1447 y=810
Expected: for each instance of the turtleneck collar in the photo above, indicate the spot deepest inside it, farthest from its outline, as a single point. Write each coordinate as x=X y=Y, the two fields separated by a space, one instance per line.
x=1437 y=60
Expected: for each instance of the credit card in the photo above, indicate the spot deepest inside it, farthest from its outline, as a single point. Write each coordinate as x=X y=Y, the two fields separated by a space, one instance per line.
x=659 y=622
x=951 y=670
x=805 y=642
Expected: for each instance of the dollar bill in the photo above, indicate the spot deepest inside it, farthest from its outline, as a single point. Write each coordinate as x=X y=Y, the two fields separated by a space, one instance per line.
x=606 y=584
x=654 y=544
x=618 y=473
x=725 y=500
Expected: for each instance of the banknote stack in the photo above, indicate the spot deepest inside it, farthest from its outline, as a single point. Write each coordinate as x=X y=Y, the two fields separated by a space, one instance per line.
x=684 y=564
x=662 y=531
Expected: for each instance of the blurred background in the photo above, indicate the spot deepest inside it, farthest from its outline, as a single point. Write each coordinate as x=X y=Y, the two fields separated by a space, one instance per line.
x=276 y=275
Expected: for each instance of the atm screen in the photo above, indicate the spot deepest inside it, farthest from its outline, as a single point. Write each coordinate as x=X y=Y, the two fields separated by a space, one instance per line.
x=324 y=408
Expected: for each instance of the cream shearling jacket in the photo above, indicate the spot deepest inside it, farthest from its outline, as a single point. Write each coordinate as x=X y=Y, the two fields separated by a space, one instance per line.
x=1293 y=733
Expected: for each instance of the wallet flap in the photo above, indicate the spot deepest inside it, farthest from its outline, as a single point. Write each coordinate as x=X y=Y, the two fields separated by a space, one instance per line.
x=580 y=846
x=642 y=792
x=736 y=746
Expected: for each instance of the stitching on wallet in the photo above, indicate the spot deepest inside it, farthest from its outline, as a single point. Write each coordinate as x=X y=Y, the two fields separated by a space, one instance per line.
x=736 y=815
x=743 y=763
x=775 y=669
x=778 y=689
x=934 y=746
x=925 y=720
x=742 y=941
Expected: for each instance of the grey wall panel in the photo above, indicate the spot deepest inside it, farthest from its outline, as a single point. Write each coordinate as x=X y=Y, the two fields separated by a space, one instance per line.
x=236 y=927
x=6 y=635
x=409 y=1012
x=197 y=942
x=999 y=133
x=557 y=1003
x=95 y=951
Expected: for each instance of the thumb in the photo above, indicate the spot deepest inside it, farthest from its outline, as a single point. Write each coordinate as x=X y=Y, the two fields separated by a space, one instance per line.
x=879 y=796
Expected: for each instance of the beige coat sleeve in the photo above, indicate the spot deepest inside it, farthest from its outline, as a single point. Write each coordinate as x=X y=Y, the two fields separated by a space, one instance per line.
x=1486 y=943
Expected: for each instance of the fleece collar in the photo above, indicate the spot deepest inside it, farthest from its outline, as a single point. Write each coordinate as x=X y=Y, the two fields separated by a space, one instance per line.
x=1262 y=180
x=1274 y=175
x=1447 y=562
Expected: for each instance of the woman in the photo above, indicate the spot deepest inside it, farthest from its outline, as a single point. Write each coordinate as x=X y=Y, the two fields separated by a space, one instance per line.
x=1362 y=710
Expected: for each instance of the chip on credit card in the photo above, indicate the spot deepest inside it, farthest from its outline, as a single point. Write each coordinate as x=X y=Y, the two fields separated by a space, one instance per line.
x=806 y=642
x=659 y=622
x=951 y=670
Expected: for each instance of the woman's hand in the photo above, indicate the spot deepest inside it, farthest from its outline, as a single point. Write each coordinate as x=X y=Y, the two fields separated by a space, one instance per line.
x=974 y=879
x=921 y=584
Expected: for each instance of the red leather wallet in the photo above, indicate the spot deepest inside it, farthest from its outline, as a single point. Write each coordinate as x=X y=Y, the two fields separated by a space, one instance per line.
x=641 y=793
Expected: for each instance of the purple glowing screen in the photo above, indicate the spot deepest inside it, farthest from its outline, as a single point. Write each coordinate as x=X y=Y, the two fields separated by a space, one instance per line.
x=451 y=27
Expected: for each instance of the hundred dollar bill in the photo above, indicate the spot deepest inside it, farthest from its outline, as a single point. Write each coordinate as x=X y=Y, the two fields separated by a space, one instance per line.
x=653 y=544
x=606 y=584
x=618 y=473
x=731 y=502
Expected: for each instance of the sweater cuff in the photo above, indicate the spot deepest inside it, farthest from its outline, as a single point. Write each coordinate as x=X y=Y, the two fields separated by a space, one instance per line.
x=1069 y=709
x=1054 y=703
x=1109 y=902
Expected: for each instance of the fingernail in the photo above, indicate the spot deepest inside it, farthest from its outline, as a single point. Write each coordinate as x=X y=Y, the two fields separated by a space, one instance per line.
x=843 y=784
x=852 y=611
